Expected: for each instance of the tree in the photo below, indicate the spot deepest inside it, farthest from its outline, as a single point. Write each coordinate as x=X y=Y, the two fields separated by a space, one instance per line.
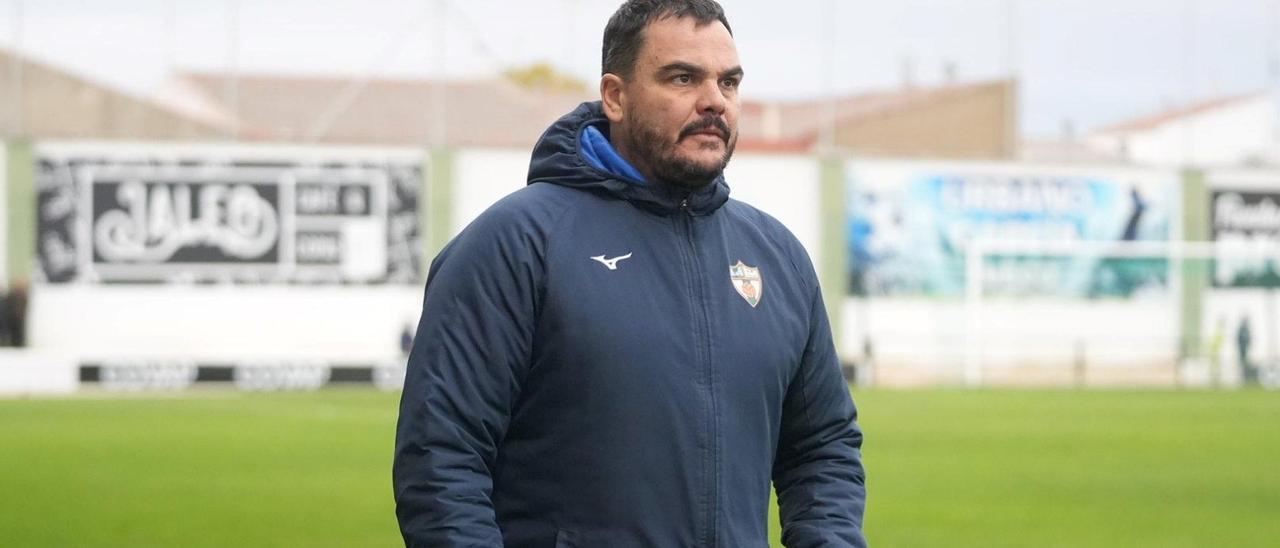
x=542 y=76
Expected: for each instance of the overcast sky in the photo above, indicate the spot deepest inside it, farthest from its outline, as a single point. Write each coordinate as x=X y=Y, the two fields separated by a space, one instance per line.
x=1089 y=61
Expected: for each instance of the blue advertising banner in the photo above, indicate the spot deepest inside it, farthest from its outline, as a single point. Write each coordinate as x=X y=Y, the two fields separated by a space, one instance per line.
x=910 y=227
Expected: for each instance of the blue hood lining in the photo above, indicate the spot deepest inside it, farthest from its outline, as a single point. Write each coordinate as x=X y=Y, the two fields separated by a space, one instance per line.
x=599 y=152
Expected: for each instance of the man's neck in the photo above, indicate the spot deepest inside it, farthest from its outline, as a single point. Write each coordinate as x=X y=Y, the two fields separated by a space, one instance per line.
x=621 y=147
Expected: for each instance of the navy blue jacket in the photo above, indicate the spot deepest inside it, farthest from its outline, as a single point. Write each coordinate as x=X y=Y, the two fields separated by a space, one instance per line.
x=553 y=401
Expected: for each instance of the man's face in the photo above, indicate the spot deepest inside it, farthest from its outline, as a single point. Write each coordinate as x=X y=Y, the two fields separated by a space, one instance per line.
x=679 y=119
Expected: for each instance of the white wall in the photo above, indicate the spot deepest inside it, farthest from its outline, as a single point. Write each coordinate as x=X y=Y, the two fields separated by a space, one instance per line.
x=482 y=177
x=213 y=323
x=336 y=324
x=24 y=371
x=929 y=341
x=4 y=216
x=785 y=186
x=1227 y=135
x=1258 y=180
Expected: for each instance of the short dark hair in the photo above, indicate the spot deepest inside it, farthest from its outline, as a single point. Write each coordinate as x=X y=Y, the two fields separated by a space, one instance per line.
x=623 y=36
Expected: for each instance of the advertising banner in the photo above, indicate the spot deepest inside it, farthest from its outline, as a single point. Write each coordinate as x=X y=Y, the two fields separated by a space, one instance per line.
x=161 y=213
x=158 y=374
x=910 y=226
x=1244 y=219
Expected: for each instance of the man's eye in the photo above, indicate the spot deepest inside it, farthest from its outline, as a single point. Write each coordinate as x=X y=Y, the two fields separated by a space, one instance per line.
x=731 y=83
x=682 y=79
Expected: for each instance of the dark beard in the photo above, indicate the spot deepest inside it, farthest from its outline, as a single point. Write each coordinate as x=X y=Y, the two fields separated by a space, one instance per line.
x=652 y=147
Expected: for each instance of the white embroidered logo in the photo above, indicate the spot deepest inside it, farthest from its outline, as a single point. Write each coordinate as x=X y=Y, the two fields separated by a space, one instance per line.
x=611 y=264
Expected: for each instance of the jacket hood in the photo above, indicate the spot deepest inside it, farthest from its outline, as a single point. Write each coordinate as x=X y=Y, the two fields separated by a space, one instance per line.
x=558 y=159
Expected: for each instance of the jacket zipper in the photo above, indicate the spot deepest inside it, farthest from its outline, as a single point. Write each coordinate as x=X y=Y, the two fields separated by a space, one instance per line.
x=704 y=354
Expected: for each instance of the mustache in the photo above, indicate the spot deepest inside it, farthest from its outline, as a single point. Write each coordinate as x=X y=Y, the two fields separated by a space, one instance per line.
x=707 y=122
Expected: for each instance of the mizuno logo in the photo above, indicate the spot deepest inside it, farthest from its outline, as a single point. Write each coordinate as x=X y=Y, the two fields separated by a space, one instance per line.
x=611 y=264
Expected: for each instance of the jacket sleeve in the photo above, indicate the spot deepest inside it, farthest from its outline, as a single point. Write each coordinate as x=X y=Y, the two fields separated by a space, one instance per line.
x=468 y=359
x=818 y=470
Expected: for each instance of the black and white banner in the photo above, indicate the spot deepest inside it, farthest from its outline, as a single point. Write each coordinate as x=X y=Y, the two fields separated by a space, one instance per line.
x=1244 y=220
x=228 y=214
x=144 y=375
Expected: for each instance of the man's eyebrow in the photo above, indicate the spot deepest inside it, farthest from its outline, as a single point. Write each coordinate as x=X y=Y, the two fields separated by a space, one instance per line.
x=682 y=66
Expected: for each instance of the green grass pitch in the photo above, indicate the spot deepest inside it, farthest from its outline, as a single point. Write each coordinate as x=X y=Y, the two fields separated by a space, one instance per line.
x=946 y=468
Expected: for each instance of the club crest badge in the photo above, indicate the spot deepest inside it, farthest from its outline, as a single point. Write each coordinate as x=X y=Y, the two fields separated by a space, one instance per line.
x=747 y=281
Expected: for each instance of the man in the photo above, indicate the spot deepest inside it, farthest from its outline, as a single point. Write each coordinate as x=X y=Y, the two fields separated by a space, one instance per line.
x=1244 y=336
x=618 y=355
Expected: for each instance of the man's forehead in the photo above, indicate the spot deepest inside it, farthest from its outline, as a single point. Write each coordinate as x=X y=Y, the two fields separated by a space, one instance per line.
x=683 y=39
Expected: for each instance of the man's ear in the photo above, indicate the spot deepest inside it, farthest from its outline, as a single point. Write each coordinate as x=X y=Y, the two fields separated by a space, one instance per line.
x=612 y=97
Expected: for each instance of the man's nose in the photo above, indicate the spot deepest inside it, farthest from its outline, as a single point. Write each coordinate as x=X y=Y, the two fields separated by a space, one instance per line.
x=711 y=99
